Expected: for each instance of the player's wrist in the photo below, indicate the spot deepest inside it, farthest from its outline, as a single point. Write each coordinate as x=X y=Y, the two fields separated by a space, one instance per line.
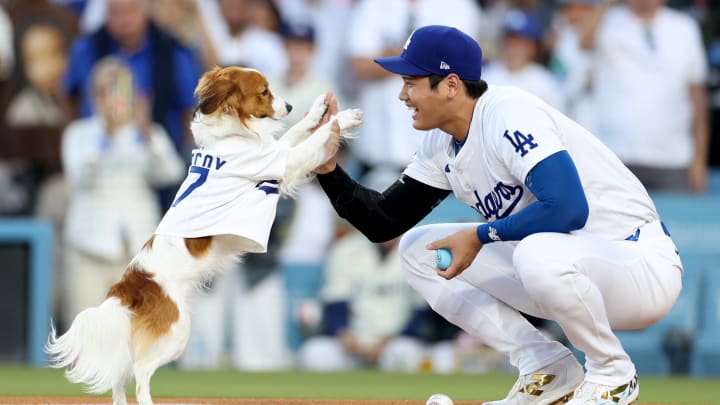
x=326 y=168
x=484 y=233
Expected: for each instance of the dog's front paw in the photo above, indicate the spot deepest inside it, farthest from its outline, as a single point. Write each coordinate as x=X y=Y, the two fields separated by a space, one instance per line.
x=350 y=118
x=317 y=110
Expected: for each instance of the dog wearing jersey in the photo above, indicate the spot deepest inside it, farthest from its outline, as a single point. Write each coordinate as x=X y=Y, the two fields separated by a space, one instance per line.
x=224 y=208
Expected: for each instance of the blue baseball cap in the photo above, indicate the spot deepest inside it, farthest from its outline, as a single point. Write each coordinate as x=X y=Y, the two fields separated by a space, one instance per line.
x=437 y=49
x=297 y=30
x=524 y=24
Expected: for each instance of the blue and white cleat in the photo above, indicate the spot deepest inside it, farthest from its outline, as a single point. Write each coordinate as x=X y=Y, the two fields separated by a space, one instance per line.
x=597 y=394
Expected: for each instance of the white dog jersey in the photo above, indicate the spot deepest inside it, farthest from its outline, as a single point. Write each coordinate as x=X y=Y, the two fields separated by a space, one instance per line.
x=231 y=188
x=489 y=171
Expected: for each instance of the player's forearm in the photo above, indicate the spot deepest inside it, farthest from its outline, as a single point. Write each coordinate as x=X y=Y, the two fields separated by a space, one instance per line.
x=700 y=124
x=380 y=216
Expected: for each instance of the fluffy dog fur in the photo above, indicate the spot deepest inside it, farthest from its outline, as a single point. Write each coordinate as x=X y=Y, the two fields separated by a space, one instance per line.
x=144 y=323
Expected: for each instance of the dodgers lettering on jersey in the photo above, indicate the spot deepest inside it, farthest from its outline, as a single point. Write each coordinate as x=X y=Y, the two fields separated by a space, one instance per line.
x=502 y=199
x=499 y=202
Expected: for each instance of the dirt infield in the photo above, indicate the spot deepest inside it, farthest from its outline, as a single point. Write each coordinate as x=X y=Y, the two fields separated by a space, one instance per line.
x=217 y=401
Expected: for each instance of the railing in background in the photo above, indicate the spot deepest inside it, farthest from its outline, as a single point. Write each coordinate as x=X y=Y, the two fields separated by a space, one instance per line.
x=38 y=234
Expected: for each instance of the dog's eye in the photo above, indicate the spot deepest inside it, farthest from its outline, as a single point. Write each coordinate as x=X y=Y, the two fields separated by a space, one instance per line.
x=265 y=93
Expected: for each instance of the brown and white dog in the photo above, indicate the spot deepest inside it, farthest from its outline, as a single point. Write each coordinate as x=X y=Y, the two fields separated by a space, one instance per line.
x=145 y=323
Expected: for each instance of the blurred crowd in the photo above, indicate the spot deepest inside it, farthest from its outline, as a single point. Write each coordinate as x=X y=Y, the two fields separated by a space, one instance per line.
x=97 y=97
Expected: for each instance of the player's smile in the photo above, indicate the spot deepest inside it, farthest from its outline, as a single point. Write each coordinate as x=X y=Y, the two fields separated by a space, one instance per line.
x=415 y=93
x=413 y=111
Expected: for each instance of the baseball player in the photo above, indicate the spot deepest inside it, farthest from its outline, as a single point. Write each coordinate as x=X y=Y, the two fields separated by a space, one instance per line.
x=571 y=235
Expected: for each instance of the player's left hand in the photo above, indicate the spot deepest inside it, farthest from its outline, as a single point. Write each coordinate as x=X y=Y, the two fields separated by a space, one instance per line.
x=331 y=147
x=464 y=246
x=332 y=109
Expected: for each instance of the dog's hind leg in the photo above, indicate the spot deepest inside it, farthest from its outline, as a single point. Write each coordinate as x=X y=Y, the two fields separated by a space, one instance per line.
x=118 y=392
x=143 y=374
x=161 y=351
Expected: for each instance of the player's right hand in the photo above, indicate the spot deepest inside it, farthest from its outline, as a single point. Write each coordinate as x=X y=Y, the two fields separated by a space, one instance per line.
x=464 y=245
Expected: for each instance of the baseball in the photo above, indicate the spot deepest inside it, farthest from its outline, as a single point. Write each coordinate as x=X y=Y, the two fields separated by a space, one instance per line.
x=443 y=258
x=439 y=399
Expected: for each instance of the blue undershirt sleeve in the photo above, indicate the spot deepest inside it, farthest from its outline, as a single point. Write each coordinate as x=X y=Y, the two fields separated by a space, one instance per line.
x=561 y=205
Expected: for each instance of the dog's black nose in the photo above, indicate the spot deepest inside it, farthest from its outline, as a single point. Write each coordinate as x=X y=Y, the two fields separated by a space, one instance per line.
x=289 y=107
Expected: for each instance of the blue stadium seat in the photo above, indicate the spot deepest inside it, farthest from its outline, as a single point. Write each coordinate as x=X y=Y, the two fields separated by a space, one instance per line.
x=647 y=347
x=695 y=228
x=705 y=359
x=714 y=181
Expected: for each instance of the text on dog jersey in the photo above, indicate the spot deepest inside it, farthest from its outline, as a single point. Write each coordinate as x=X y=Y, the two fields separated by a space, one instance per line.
x=201 y=164
x=206 y=160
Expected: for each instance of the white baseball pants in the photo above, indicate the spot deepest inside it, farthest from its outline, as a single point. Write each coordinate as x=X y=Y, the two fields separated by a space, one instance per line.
x=587 y=284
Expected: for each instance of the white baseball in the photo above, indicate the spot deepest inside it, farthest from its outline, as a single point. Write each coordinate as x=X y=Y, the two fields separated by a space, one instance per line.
x=439 y=399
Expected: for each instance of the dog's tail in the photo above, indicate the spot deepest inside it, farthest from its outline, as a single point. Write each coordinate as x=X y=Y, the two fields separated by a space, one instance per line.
x=96 y=349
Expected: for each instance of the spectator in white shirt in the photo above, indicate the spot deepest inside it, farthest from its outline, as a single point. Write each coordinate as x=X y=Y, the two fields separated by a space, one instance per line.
x=651 y=102
x=111 y=160
x=573 y=64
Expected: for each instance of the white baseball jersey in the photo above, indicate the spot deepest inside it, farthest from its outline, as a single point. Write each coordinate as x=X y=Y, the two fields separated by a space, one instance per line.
x=509 y=134
x=231 y=188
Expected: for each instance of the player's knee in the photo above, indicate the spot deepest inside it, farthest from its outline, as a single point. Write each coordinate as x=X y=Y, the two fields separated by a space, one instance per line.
x=412 y=251
x=410 y=237
x=538 y=262
x=535 y=249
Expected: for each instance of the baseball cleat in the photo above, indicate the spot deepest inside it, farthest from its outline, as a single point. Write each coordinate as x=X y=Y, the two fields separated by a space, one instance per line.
x=549 y=385
x=597 y=394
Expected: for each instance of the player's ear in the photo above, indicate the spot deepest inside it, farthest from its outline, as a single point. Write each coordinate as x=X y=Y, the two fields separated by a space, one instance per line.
x=454 y=84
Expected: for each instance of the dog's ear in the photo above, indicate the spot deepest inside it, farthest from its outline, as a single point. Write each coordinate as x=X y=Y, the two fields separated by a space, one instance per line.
x=256 y=99
x=214 y=89
x=234 y=102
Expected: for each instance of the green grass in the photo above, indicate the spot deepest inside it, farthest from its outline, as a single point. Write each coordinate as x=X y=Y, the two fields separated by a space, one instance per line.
x=169 y=382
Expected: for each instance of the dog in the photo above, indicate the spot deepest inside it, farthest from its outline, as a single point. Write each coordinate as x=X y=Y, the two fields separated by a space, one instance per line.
x=223 y=209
